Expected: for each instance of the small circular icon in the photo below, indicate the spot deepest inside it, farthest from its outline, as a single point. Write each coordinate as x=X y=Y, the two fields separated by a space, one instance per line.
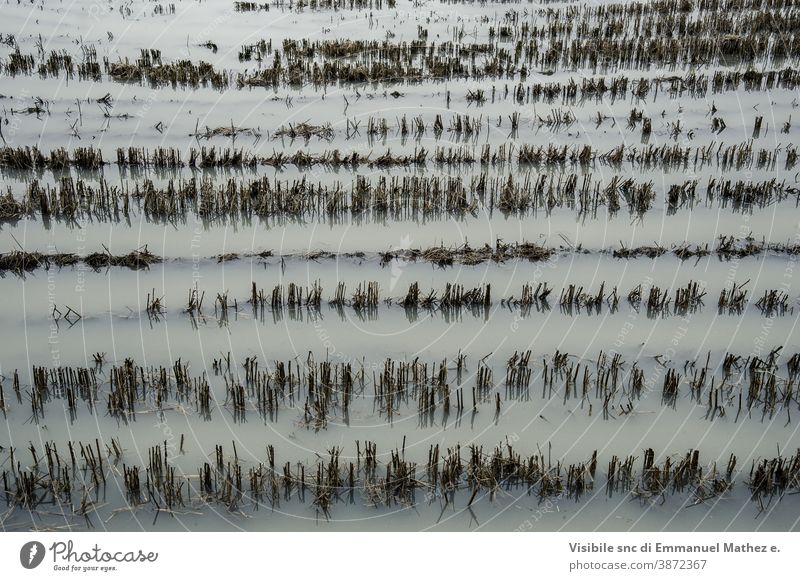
x=31 y=554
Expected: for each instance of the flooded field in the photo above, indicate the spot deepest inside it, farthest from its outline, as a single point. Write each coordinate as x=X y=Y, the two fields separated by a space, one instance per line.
x=400 y=265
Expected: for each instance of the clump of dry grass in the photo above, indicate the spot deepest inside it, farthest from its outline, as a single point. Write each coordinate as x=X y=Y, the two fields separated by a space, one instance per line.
x=136 y=259
x=649 y=251
x=734 y=299
x=305 y=131
x=20 y=261
x=230 y=131
x=774 y=302
x=732 y=247
x=182 y=73
x=10 y=209
x=688 y=298
x=466 y=254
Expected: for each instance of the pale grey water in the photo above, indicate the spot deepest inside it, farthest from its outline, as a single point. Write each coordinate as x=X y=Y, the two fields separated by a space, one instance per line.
x=112 y=302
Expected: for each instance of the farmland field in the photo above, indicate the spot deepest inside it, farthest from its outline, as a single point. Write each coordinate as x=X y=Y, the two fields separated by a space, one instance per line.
x=399 y=265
